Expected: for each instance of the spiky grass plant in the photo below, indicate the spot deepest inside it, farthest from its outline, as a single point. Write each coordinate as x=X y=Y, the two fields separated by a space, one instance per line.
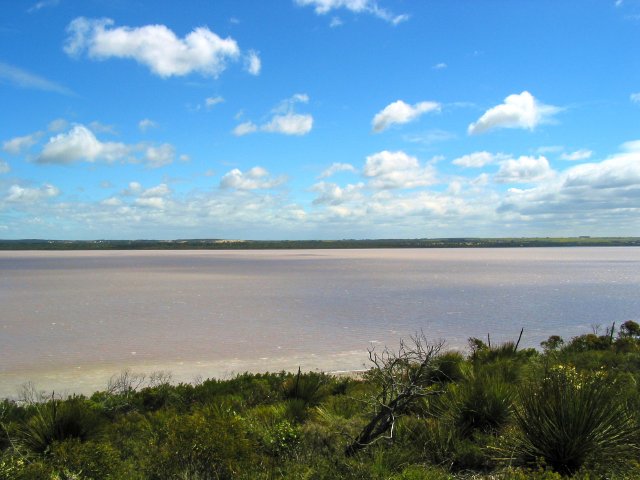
x=570 y=420
x=57 y=420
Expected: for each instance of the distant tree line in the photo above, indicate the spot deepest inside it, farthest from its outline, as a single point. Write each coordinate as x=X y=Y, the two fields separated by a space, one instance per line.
x=221 y=244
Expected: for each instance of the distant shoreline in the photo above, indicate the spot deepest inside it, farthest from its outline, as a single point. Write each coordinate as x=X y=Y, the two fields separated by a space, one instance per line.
x=228 y=244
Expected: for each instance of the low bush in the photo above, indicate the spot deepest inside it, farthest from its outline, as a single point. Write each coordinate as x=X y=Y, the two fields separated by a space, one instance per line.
x=570 y=420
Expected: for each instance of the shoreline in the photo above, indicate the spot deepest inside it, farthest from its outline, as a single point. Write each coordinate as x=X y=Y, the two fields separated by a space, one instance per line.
x=86 y=380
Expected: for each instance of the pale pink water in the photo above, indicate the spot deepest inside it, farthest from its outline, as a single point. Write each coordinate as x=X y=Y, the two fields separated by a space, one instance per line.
x=71 y=319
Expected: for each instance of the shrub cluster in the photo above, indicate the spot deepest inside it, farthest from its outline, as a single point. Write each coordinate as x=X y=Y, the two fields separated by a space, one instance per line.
x=498 y=412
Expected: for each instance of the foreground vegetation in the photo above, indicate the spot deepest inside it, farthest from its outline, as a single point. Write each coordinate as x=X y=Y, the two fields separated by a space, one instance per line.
x=420 y=413
x=218 y=244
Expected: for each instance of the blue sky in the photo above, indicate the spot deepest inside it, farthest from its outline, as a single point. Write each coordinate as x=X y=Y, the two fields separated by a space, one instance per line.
x=301 y=119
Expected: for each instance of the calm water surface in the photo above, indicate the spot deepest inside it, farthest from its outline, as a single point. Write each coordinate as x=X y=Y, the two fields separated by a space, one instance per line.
x=69 y=320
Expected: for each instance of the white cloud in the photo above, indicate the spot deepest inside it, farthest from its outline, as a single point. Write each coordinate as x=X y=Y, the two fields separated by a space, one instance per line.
x=581 y=154
x=518 y=111
x=478 y=159
x=284 y=119
x=635 y=97
x=145 y=124
x=22 y=78
x=4 y=167
x=156 y=157
x=133 y=188
x=42 y=4
x=161 y=190
x=111 y=202
x=81 y=144
x=550 y=149
x=151 y=202
x=439 y=66
x=18 y=145
x=323 y=7
x=245 y=128
x=400 y=112
x=332 y=194
x=253 y=64
x=211 y=102
x=631 y=146
x=289 y=124
x=337 y=167
x=604 y=194
x=253 y=179
x=18 y=194
x=335 y=22
x=155 y=46
x=388 y=170
x=524 y=170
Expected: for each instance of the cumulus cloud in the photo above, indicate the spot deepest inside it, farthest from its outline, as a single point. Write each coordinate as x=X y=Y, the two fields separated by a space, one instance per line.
x=111 y=202
x=582 y=154
x=155 y=46
x=635 y=97
x=284 y=120
x=160 y=156
x=371 y=7
x=439 y=66
x=332 y=194
x=151 y=202
x=400 y=112
x=18 y=194
x=389 y=170
x=17 y=145
x=133 y=188
x=478 y=159
x=23 y=79
x=4 y=167
x=80 y=144
x=257 y=178
x=253 y=64
x=145 y=124
x=161 y=190
x=518 y=111
x=598 y=192
x=524 y=170
x=289 y=124
x=337 y=167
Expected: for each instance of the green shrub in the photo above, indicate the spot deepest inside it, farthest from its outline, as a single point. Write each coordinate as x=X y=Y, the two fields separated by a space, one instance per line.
x=449 y=367
x=483 y=402
x=570 y=420
x=58 y=420
x=199 y=445
x=309 y=387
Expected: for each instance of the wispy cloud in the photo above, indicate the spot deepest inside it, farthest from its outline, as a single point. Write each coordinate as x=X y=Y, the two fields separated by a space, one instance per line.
x=284 y=120
x=322 y=7
x=23 y=79
x=42 y=4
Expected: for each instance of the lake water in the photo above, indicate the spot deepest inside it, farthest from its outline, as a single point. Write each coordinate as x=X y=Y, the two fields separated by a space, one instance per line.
x=69 y=320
